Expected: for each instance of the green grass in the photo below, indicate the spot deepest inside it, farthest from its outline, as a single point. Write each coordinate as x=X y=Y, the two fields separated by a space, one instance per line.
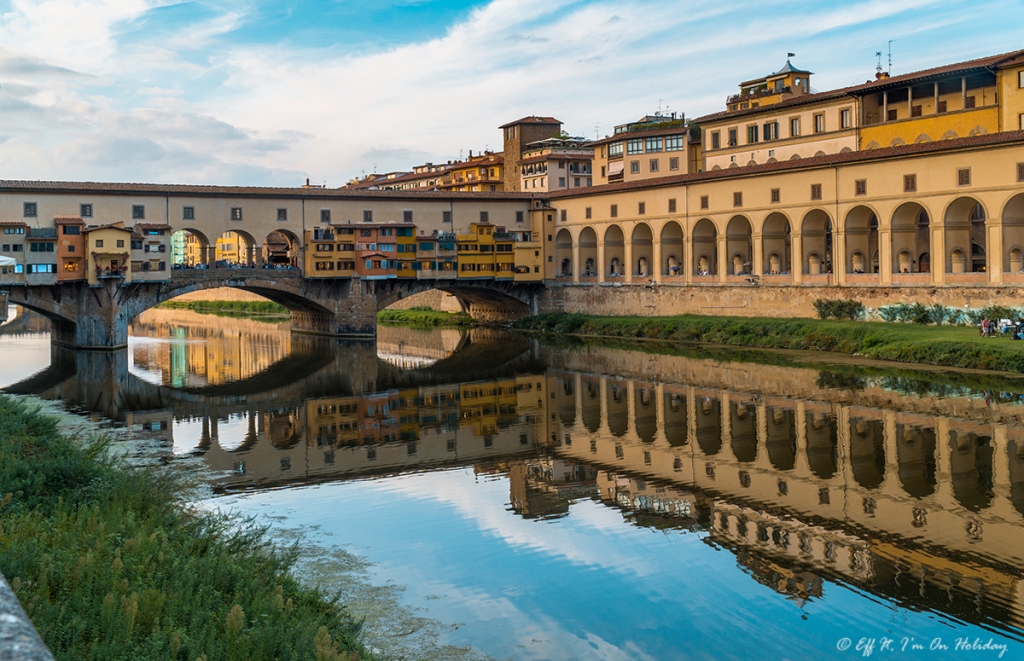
x=424 y=316
x=232 y=307
x=952 y=346
x=111 y=564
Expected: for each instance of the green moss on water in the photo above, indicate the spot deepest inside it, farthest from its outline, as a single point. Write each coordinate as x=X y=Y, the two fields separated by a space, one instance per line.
x=110 y=563
x=951 y=346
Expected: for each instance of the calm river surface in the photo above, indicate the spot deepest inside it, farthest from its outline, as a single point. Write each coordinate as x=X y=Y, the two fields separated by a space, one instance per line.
x=553 y=499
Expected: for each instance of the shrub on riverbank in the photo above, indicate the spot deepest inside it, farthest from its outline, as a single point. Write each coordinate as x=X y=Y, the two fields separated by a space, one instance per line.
x=110 y=563
x=839 y=309
x=948 y=346
x=250 y=307
x=424 y=316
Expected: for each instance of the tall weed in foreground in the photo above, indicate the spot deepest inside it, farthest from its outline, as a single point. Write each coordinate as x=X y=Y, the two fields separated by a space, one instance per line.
x=111 y=565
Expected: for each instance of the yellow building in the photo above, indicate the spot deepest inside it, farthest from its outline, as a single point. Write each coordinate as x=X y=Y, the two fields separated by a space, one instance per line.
x=108 y=253
x=765 y=123
x=476 y=252
x=652 y=147
x=481 y=173
x=330 y=252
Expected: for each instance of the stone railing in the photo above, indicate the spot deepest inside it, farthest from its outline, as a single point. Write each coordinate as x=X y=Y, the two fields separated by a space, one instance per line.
x=18 y=638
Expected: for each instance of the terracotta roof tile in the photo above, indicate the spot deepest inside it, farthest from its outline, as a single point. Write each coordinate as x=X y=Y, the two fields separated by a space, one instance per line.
x=13 y=223
x=68 y=220
x=993 y=139
x=152 y=226
x=532 y=119
x=190 y=190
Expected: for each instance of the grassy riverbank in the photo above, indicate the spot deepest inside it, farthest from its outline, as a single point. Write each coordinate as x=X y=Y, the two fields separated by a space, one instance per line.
x=423 y=316
x=111 y=564
x=234 y=307
x=952 y=346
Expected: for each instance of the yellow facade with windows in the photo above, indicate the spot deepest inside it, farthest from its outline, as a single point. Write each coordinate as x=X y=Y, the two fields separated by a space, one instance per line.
x=108 y=253
x=476 y=252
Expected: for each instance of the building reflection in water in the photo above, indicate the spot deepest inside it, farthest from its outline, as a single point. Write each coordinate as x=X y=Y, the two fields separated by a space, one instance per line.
x=916 y=499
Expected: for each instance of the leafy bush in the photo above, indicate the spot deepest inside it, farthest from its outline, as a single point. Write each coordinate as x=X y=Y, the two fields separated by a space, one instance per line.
x=110 y=564
x=839 y=309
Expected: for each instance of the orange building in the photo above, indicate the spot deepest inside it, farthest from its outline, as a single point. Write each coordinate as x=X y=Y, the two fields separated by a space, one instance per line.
x=70 y=248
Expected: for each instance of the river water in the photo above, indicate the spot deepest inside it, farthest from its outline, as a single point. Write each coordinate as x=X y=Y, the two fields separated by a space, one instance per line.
x=527 y=498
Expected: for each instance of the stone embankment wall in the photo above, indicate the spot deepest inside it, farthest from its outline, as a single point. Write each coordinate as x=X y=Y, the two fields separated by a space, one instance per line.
x=756 y=300
x=19 y=640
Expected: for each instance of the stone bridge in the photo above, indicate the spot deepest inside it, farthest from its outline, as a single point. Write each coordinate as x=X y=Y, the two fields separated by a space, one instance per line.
x=97 y=317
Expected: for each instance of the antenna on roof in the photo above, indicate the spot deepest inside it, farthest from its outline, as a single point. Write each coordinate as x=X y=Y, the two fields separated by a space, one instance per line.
x=597 y=130
x=890 y=57
x=878 y=69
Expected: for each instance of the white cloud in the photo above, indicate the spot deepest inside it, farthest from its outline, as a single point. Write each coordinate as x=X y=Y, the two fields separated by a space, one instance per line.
x=86 y=95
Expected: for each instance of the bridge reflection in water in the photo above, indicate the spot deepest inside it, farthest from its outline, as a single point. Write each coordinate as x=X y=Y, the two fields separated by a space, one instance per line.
x=860 y=479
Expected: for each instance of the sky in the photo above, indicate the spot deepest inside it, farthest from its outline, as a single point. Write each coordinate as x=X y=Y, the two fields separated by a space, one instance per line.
x=271 y=92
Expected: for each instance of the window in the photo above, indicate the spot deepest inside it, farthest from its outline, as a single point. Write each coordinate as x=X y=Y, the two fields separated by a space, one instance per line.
x=120 y=243
x=446 y=216
x=1020 y=173
x=72 y=230
x=615 y=150
x=576 y=182
x=844 y=118
x=916 y=111
x=40 y=247
x=188 y=213
x=963 y=177
x=325 y=216
x=634 y=167
x=1020 y=121
x=752 y=132
x=674 y=143
x=673 y=163
x=942 y=107
x=704 y=202
x=282 y=214
x=969 y=102
x=236 y=213
x=30 y=209
x=519 y=216
x=771 y=131
x=407 y=216
x=815 y=191
x=909 y=183
x=654 y=145
x=1020 y=79
x=614 y=212
x=654 y=165
x=716 y=140
x=672 y=205
x=635 y=146
x=42 y=268
x=563 y=215
x=589 y=213
x=561 y=182
x=99 y=243
x=819 y=123
x=85 y=210
x=14 y=230
x=484 y=217
x=732 y=137
x=737 y=199
x=892 y=115
x=794 y=127
x=860 y=187
x=776 y=195
x=138 y=212
x=642 y=208
x=367 y=216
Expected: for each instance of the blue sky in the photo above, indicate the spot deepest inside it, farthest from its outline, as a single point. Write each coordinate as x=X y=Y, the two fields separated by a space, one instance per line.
x=261 y=92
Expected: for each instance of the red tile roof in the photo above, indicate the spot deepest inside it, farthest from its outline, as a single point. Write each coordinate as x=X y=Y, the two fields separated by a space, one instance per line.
x=68 y=220
x=190 y=190
x=152 y=226
x=13 y=223
x=993 y=139
x=532 y=119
